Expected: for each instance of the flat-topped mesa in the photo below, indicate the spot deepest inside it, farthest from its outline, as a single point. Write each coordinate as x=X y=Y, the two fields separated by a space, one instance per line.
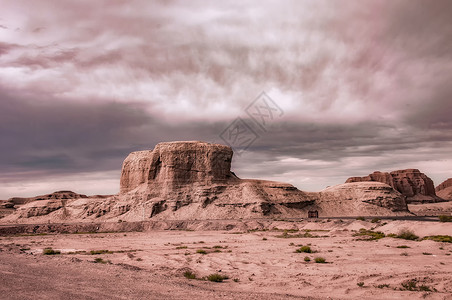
x=177 y=163
x=413 y=184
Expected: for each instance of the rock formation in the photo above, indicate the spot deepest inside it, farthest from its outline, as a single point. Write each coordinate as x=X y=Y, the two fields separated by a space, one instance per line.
x=444 y=190
x=193 y=180
x=414 y=185
x=361 y=199
x=177 y=163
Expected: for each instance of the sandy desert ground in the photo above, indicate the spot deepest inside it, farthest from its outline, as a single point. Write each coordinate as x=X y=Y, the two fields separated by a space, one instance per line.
x=260 y=264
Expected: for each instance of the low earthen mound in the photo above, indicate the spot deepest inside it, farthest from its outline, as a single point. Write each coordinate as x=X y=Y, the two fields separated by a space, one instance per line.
x=444 y=190
x=361 y=199
x=60 y=195
x=414 y=185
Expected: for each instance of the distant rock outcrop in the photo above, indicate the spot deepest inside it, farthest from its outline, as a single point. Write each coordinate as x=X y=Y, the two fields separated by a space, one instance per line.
x=414 y=185
x=444 y=190
x=60 y=195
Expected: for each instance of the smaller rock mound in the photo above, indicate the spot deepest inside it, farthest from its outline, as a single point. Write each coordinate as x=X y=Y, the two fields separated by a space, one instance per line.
x=361 y=199
x=444 y=190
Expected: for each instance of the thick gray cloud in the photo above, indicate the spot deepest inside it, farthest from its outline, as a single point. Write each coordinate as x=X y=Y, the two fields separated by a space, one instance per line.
x=363 y=86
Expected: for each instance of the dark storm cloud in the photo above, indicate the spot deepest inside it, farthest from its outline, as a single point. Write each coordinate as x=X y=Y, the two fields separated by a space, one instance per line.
x=40 y=133
x=56 y=136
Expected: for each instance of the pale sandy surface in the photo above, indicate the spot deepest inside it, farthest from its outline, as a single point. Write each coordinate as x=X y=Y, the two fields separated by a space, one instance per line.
x=266 y=266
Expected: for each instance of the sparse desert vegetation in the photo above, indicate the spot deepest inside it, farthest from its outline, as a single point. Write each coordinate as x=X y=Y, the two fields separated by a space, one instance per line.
x=304 y=249
x=100 y=260
x=444 y=218
x=320 y=260
x=407 y=234
x=439 y=238
x=50 y=251
x=369 y=235
x=215 y=277
x=210 y=257
x=189 y=275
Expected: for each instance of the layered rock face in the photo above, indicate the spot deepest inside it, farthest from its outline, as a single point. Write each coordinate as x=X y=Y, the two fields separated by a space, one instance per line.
x=177 y=163
x=414 y=185
x=444 y=190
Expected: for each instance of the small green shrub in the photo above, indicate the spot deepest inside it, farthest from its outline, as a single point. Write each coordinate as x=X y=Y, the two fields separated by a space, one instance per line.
x=50 y=251
x=99 y=260
x=375 y=220
x=444 y=218
x=439 y=238
x=404 y=254
x=426 y=253
x=411 y=285
x=425 y=288
x=181 y=247
x=360 y=284
x=403 y=246
x=217 y=277
x=97 y=252
x=360 y=219
x=304 y=249
x=320 y=260
x=189 y=275
x=384 y=285
x=264 y=239
x=306 y=234
x=369 y=234
x=236 y=280
x=307 y=259
x=407 y=234
x=201 y=251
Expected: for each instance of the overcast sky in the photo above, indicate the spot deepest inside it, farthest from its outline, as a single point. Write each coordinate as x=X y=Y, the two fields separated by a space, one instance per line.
x=360 y=86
